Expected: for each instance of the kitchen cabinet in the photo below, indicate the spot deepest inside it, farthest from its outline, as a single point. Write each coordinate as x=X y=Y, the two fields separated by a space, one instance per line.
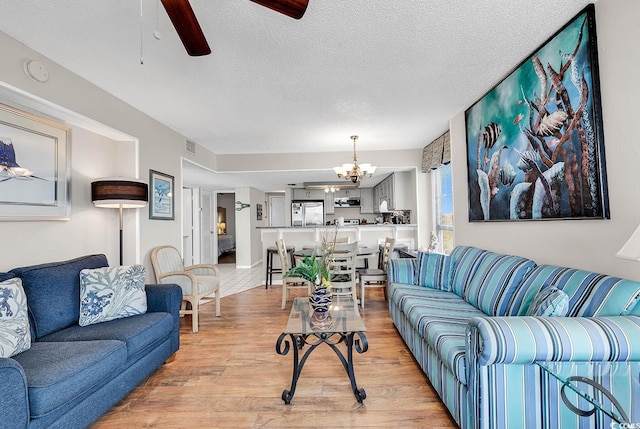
x=328 y=203
x=395 y=190
x=308 y=194
x=366 y=200
x=347 y=193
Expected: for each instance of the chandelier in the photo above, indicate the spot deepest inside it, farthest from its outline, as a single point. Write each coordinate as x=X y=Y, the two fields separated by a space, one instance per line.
x=353 y=171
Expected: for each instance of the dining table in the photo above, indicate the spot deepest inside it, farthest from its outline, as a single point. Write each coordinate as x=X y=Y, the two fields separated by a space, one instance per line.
x=362 y=253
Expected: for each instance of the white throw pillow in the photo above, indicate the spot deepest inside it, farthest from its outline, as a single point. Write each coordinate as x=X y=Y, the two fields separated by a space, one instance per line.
x=111 y=293
x=15 y=335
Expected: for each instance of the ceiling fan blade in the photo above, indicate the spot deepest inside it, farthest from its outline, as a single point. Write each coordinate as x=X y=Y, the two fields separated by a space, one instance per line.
x=293 y=8
x=187 y=27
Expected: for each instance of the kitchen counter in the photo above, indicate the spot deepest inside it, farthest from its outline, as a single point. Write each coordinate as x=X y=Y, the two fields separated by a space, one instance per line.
x=374 y=225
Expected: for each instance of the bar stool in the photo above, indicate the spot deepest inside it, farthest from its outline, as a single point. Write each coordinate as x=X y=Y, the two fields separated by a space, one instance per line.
x=270 y=269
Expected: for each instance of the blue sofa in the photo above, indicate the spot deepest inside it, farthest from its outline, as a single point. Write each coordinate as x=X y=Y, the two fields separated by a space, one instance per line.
x=465 y=319
x=72 y=375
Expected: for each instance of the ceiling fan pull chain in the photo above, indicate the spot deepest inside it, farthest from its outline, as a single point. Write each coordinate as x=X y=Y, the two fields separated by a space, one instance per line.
x=156 y=33
x=141 y=35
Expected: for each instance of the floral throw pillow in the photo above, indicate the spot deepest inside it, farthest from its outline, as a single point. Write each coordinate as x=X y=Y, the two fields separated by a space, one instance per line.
x=111 y=293
x=15 y=336
x=549 y=301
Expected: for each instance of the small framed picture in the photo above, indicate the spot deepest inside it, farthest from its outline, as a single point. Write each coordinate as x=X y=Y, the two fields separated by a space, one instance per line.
x=161 y=196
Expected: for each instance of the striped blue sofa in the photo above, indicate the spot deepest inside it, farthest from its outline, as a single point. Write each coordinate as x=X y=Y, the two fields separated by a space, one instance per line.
x=479 y=323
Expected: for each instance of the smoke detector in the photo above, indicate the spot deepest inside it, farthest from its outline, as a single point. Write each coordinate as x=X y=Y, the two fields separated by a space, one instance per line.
x=36 y=71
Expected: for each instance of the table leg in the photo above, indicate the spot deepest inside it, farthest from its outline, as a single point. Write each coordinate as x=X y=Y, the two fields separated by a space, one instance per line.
x=360 y=344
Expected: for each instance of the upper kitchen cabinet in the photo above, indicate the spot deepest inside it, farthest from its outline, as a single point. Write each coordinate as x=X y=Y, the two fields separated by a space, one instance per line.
x=366 y=200
x=329 y=208
x=395 y=190
x=308 y=194
x=347 y=193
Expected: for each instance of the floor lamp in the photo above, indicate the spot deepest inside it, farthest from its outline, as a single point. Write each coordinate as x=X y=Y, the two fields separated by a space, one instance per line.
x=631 y=249
x=119 y=193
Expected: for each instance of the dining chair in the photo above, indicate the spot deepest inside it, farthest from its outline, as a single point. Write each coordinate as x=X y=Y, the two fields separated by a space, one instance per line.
x=289 y=283
x=376 y=277
x=328 y=242
x=198 y=282
x=342 y=265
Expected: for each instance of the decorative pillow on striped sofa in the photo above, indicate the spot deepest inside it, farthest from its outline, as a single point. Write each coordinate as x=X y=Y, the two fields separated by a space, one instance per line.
x=548 y=302
x=433 y=270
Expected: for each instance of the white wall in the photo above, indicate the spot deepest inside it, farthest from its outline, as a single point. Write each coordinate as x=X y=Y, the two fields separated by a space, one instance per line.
x=587 y=244
x=29 y=243
x=248 y=237
x=90 y=229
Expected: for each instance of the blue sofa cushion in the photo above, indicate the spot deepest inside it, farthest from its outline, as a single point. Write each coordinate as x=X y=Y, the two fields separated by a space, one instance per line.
x=140 y=333
x=53 y=292
x=433 y=270
x=590 y=294
x=6 y=276
x=60 y=373
x=403 y=270
x=440 y=318
x=493 y=285
x=464 y=263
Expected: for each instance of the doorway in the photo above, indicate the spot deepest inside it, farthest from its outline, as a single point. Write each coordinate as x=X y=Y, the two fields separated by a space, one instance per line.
x=226 y=227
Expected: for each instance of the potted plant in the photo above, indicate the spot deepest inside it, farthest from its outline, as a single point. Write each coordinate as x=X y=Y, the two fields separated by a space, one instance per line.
x=315 y=269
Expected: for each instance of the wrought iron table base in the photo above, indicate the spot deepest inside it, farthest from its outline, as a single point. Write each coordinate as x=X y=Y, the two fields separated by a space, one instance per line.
x=314 y=340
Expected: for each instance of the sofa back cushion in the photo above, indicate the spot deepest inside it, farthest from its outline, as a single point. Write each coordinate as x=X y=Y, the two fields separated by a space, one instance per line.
x=464 y=263
x=494 y=285
x=402 y=270
x=433 y=270
x=590 y=294
x=53 y=292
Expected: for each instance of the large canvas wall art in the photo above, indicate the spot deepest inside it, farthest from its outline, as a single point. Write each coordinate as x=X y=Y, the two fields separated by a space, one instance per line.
x=535 y=146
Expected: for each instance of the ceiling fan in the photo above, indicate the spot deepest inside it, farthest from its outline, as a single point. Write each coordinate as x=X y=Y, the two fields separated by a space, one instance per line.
x=190 y=32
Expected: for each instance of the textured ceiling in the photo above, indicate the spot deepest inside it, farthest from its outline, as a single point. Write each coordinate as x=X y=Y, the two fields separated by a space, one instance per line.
x=392 y=71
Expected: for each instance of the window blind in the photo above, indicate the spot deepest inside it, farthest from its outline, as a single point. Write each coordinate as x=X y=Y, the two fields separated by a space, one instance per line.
x=436 y=153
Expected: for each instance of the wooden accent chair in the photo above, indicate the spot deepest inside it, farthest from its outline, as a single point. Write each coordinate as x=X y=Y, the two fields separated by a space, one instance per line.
x=376 y=277
x=197 y=281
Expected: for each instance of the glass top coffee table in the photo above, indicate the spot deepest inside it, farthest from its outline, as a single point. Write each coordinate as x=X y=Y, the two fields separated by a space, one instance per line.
x=341 y=324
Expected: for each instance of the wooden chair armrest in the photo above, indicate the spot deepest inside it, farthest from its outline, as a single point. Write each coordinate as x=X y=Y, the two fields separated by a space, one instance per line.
x=203 y=267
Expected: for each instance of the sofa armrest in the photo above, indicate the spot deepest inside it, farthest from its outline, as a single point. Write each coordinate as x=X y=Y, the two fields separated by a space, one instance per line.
x=14 y=406
x=524 y=340
x=401 y=270
x=166 y=298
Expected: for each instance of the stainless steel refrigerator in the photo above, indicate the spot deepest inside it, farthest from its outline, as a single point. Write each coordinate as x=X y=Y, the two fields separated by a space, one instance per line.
x=307 y=213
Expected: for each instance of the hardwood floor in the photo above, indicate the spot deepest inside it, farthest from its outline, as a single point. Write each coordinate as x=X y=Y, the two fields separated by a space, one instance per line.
x=229 y=375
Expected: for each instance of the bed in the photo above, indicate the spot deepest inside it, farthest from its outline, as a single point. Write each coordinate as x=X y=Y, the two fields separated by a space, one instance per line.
x=226 y=243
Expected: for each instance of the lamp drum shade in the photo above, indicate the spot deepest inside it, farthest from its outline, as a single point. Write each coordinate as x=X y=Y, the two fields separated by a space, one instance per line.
x=114 y=192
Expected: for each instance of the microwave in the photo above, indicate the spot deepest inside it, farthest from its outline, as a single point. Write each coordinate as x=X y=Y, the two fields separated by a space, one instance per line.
x=346 y=202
